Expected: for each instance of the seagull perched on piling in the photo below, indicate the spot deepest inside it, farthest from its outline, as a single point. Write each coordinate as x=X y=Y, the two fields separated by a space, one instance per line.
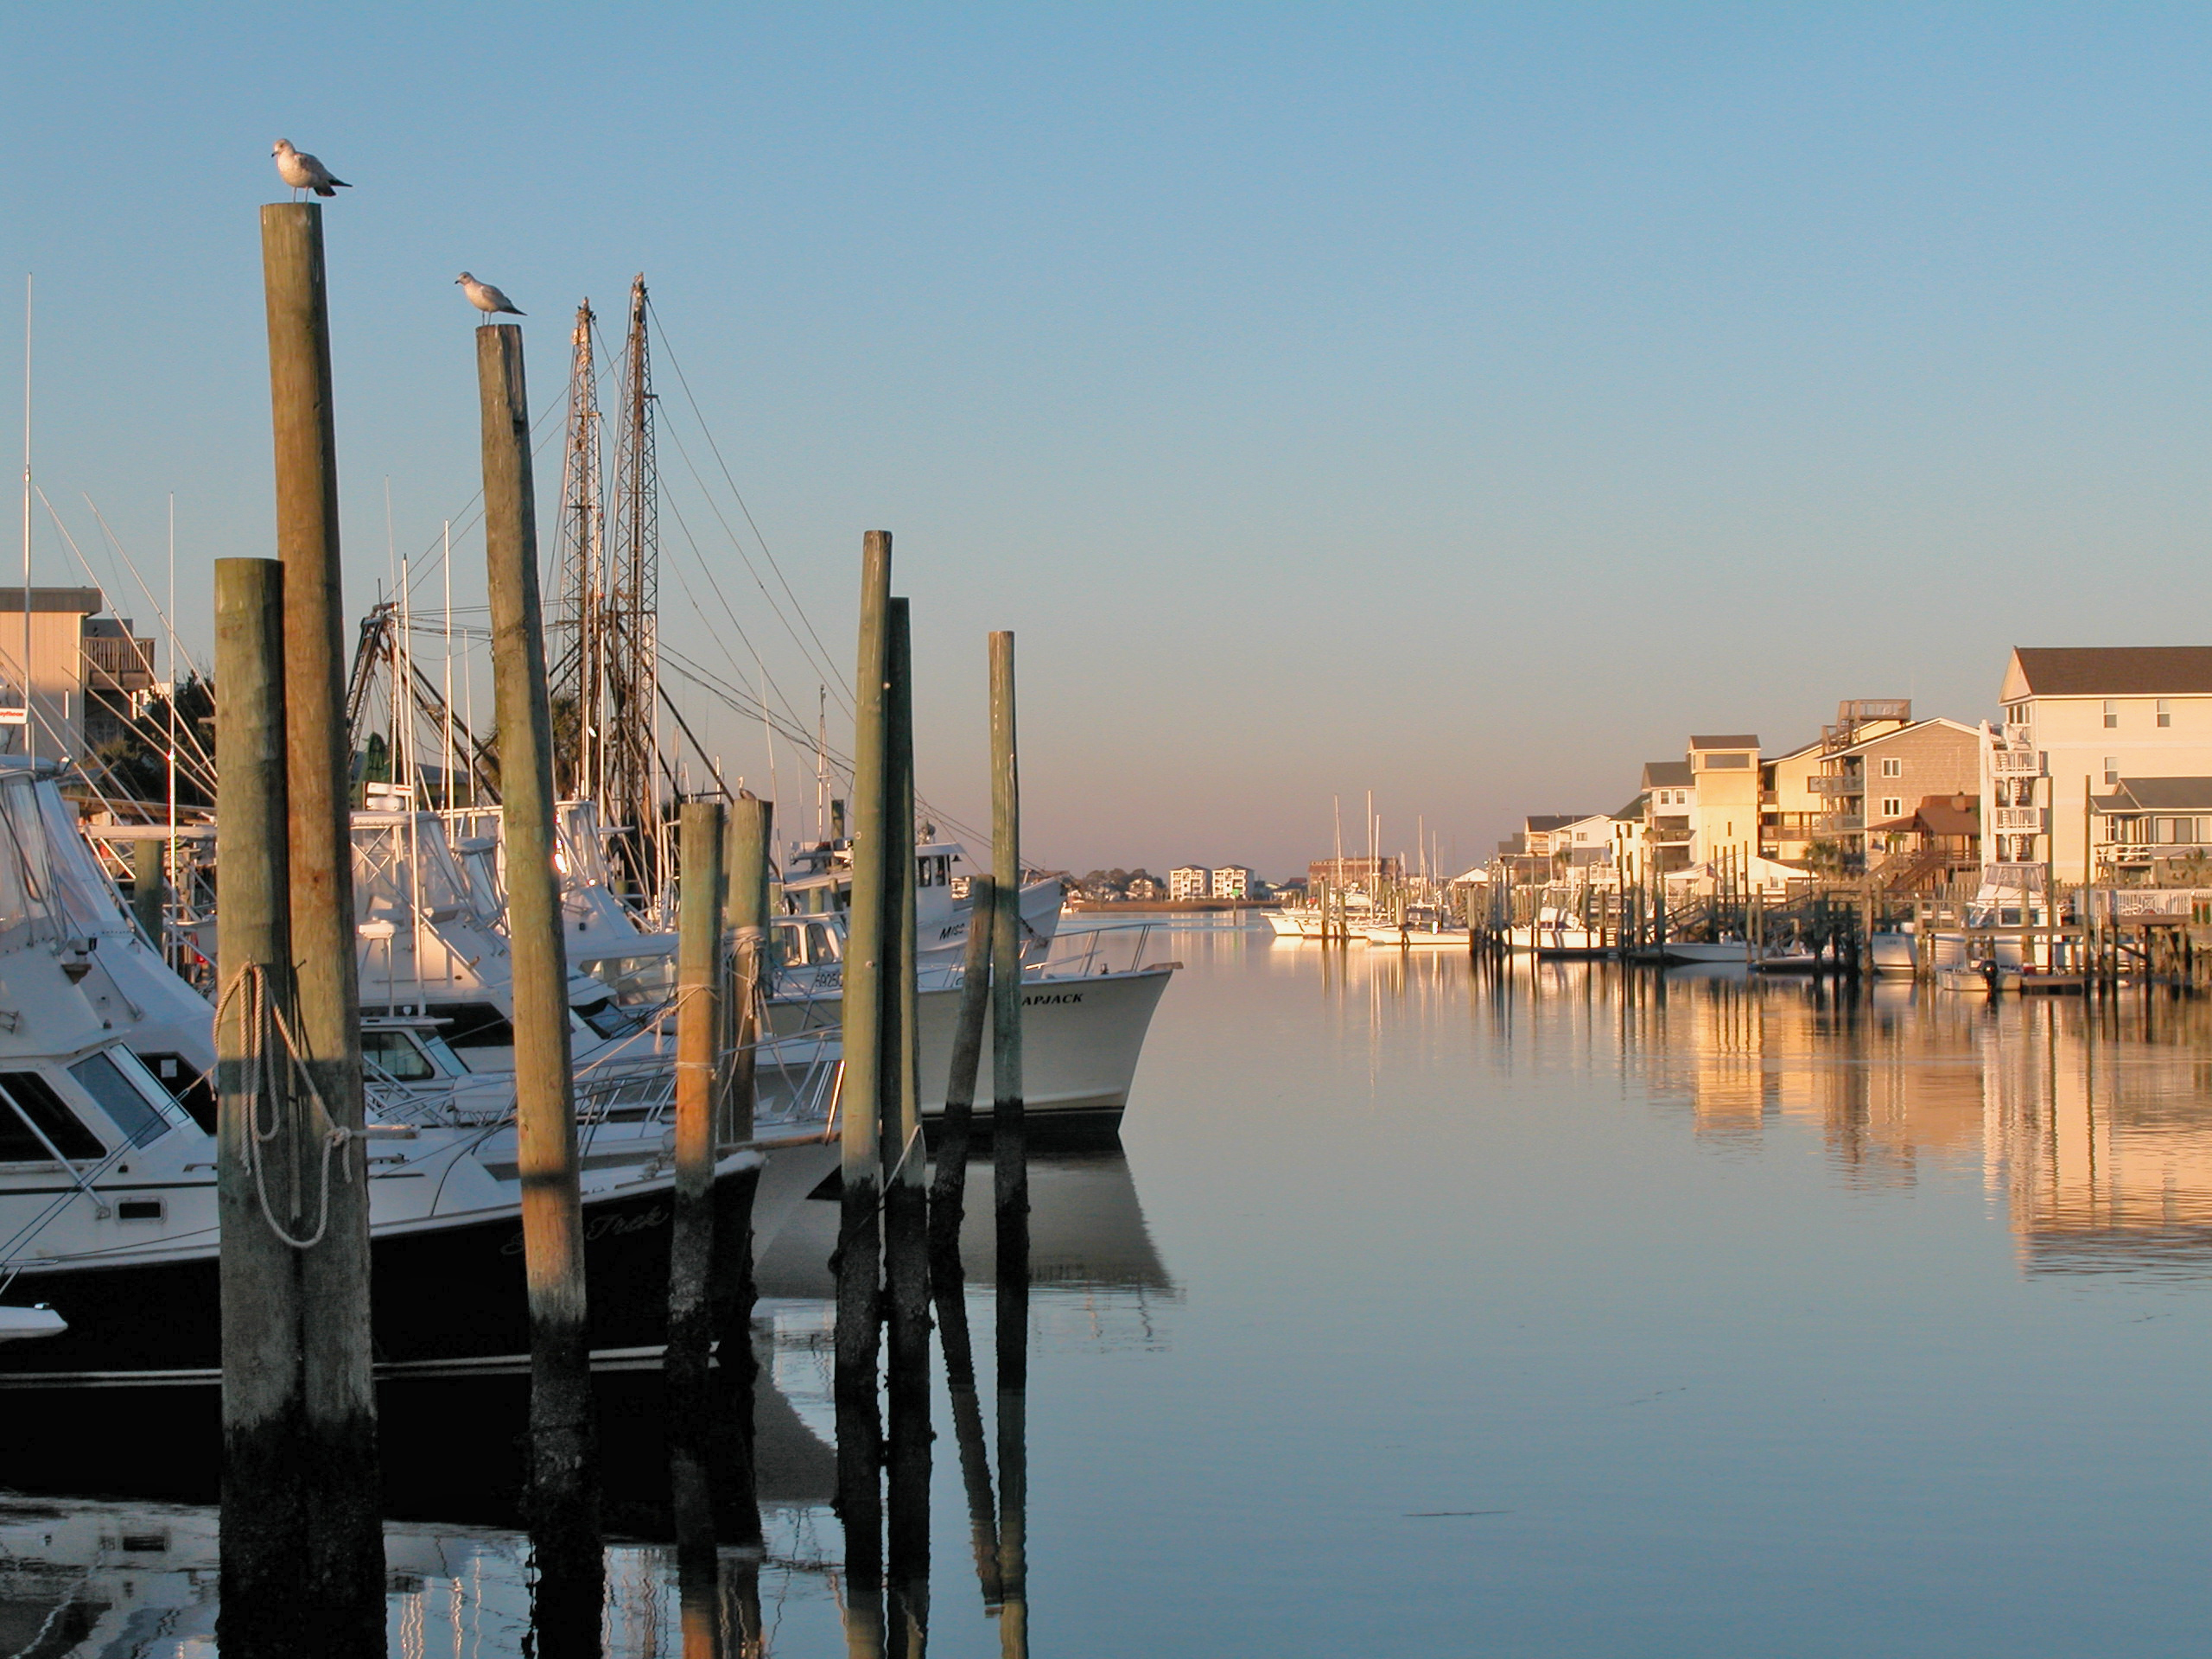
x=485 y=297
x=303 y=172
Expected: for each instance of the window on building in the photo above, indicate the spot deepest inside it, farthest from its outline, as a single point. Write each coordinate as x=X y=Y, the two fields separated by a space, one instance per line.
x=1892 y=768
x=2112 y=770
x=2166 y=712
x=2111 y=712
x=1892 y=807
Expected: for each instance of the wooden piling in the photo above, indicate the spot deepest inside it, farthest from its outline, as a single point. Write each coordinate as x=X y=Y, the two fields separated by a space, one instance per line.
x=563 y=1473
x=906 y=1198
x=858 y=1261
x=264 y=1511
x=148 y=881
x=731 y=1293
x=698 y=1026
x=345 y=1566
x=1010 y=1151
x=948 y=1192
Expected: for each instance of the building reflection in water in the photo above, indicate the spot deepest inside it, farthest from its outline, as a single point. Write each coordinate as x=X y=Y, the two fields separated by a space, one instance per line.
x=2089 y=1121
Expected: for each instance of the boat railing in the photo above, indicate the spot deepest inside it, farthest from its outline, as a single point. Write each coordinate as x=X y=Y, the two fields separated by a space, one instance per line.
x=1086 y=952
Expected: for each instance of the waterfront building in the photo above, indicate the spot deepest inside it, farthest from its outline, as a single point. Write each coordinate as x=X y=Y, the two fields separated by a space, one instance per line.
x=1668 y=786
x=1188 y=881
x=86 y=671
x=1876 y=762
x=2079 y=722
x=1724 y=805
x=1232 y=881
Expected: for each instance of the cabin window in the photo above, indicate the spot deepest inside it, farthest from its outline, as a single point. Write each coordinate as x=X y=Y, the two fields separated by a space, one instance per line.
x=2111 y=713
x=605 y=1017
x=2166 y=713
x=392 y=1053
x=139 y=1209
x=140 y=1121
x=34 y=1102
x=187 y=1085
x=475 y=1024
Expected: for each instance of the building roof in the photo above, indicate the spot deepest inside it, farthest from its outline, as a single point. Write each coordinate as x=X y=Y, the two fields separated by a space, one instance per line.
x=1634 y=811
x=1540 y=821
x=2157 y=795
x=1940 y=815
x=1867 y=745
x=1739 y=740
x=1667 y=774
x=2089 y=670
x=82 y=602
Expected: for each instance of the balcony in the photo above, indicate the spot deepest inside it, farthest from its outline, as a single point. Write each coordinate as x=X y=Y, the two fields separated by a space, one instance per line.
x=1837 y=783
x=113 y=663
x=2015 y=763
x=1840 y=823
x=2018 y=820
x=2019 y=736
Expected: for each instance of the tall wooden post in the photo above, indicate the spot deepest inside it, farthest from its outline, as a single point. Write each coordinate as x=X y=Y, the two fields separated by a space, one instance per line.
x=147 y=885
x=948 y=1190
x=698 y=1025
x=906 y=1198
x=563 y=1473
x=859 y=1259
x=264 y=1519
x=1010 y=1163
x=346 y=1568
x=947 y=1204
x=752 y=822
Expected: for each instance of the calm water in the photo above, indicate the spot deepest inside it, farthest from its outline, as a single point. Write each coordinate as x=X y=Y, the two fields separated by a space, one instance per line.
x=1432 y=1312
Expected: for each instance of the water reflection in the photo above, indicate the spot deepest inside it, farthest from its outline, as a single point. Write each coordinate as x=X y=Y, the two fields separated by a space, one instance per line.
x=2088 y=1121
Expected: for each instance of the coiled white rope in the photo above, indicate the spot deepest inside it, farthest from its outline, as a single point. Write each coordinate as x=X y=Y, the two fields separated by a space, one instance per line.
x=259 y=1018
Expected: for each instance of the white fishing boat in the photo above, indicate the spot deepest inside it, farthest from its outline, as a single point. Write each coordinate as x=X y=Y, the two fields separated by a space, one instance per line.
x=1085 y=1010
x=1558 y=931
x=1424 y=927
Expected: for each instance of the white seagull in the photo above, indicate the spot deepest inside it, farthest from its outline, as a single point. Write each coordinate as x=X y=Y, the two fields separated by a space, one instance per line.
x=303 y=172
x=485 y=297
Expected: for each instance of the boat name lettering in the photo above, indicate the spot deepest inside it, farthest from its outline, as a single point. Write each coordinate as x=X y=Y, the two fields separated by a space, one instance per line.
x=600 y=1227
x=1033 y=1000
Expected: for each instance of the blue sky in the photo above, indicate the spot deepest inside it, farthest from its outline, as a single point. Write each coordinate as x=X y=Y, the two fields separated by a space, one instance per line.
x=1465 y=402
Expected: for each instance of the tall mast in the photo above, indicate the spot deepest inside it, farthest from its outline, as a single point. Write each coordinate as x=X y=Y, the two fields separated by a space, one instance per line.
x=577 y=682
x=630 y=791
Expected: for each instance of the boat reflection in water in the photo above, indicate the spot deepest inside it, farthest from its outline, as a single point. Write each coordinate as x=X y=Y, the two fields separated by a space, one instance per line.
x=138 y=1574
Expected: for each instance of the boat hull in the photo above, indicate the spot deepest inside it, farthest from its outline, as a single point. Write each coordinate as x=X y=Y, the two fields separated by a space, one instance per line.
x=1081 y=1040
x=445 y=1298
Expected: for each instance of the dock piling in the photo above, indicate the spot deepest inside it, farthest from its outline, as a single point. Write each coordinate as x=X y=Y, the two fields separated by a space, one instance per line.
x=858 y=1261
x=700 y=831
x=563 y=1461
x=264 y=1515
x=346 y=1546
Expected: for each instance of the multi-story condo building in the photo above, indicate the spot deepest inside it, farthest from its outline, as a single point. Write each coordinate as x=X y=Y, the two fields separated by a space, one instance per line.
x=2082 y=722
x=1188 y=881
x=1668 y=789
x=1232 y=881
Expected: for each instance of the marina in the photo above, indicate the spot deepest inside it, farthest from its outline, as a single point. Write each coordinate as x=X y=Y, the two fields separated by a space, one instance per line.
x=1622 y=1410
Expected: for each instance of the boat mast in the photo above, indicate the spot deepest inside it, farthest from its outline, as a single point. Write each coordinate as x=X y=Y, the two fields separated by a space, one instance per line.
x=576 y=684
x=30 y=736
x=630 y=788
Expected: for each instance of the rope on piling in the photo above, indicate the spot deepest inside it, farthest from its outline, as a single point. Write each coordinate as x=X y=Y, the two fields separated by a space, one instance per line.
x=260 y=1018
